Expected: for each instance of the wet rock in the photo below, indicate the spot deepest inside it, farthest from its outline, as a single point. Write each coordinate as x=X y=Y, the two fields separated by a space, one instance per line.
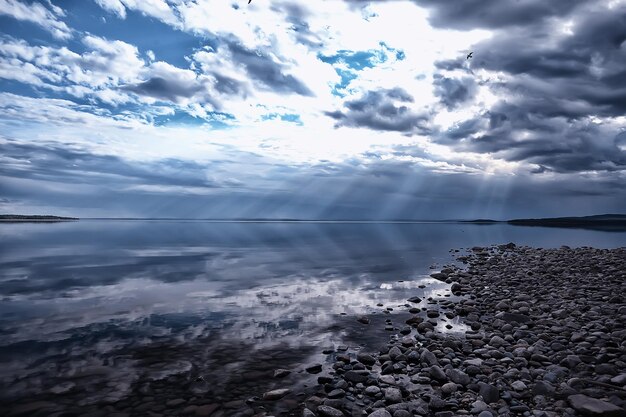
x=365 y=358
x=281 y=373
x=414 y=300
x=363 y=320
x=276 y=394
x=356 y=376
x=314 y=369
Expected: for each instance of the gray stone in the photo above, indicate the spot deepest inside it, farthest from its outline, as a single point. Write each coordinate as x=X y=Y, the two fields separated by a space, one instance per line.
x=519 y=386
x=594 y=407
x=327 y=411
x=380 y=413
x=490 y=393
x=393 y=395
x=458 y=376
x=356 y=376
x=437 y=373
x=365 y=358
x=428 y=357
x=449 y=388
x=276 y=394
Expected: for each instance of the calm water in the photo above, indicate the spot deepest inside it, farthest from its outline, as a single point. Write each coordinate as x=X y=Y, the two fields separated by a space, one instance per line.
x=101 y=309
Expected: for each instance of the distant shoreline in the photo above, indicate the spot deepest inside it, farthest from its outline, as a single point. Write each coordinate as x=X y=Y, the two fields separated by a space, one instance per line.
x=606 y=222
x=18 y=218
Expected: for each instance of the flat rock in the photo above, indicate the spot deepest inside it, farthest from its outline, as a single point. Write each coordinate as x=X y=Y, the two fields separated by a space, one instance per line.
x=276 y=394
x=594 y=407
x=327 y=411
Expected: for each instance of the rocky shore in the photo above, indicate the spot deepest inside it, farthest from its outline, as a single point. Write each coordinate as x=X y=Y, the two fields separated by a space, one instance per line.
x=547 y=338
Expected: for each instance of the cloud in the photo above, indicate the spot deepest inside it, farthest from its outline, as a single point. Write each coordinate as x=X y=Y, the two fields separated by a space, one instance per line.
x=454 y=91
x=104 y=64
x=470 y=14
x=384 y=109
x=271 y=74
x=557 y=85
x=159 y=9
x=166 y=82
x=38 y=14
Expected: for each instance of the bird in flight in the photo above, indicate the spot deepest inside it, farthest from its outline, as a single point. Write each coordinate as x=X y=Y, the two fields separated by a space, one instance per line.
x=468 y=55
x=249 y=1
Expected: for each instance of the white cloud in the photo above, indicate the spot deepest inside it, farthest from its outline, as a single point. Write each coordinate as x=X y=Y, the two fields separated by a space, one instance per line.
x=159 y=9
x=38 y=14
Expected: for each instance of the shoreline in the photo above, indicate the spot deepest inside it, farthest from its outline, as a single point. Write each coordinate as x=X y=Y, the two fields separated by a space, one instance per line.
x=547 y=339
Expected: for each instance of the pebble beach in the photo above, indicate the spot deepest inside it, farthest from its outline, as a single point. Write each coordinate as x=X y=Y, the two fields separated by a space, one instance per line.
x=547 y=338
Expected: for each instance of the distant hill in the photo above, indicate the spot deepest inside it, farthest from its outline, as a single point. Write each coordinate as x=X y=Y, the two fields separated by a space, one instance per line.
x=616 y=222
x=34 y=218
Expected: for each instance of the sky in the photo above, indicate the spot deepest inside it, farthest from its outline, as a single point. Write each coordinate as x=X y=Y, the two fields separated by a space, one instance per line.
x=337 y=109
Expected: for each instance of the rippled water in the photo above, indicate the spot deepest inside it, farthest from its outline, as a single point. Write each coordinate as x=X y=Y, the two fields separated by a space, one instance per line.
x=102 y=309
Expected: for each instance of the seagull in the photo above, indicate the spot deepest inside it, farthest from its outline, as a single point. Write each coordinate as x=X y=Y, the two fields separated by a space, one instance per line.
x=249 y=1
x=468 y=55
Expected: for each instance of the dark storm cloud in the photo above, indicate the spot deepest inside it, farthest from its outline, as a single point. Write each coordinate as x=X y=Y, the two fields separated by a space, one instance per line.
x=56 y=163
x=559 y=89
x=262 y=68
x=471 y=14
x=453 y=92
x=167 y=89
x=382 y=110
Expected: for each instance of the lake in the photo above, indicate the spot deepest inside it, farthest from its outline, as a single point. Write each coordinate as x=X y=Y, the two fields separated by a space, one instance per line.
x=105 y=312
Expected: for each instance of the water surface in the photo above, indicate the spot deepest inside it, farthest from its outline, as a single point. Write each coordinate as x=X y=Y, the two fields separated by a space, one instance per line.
x=98 y=311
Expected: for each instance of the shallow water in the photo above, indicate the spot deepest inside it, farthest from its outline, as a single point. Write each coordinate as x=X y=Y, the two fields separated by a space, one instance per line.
x=99 y=310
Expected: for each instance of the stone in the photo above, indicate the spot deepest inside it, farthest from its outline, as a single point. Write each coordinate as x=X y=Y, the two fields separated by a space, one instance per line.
x=175 y=402
x=497 y=341
x=437 y=373
x=365 y=358
x=485 y=413
x=372 y=390
x=308 y=413
x=490 y=393
x=327 y=411
x=393 y=395
x=449 y=388
x=428 y=357
x=519 y=386
x=363 y=320
x=314 y=369
x=276 y=394
x=356 y=376
x=337 y=393
x=281 y=373
x=414 y=300
x=380 y=413
x=458 y=376
x=619 y=380
x=594 y=407
x=206 y=410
